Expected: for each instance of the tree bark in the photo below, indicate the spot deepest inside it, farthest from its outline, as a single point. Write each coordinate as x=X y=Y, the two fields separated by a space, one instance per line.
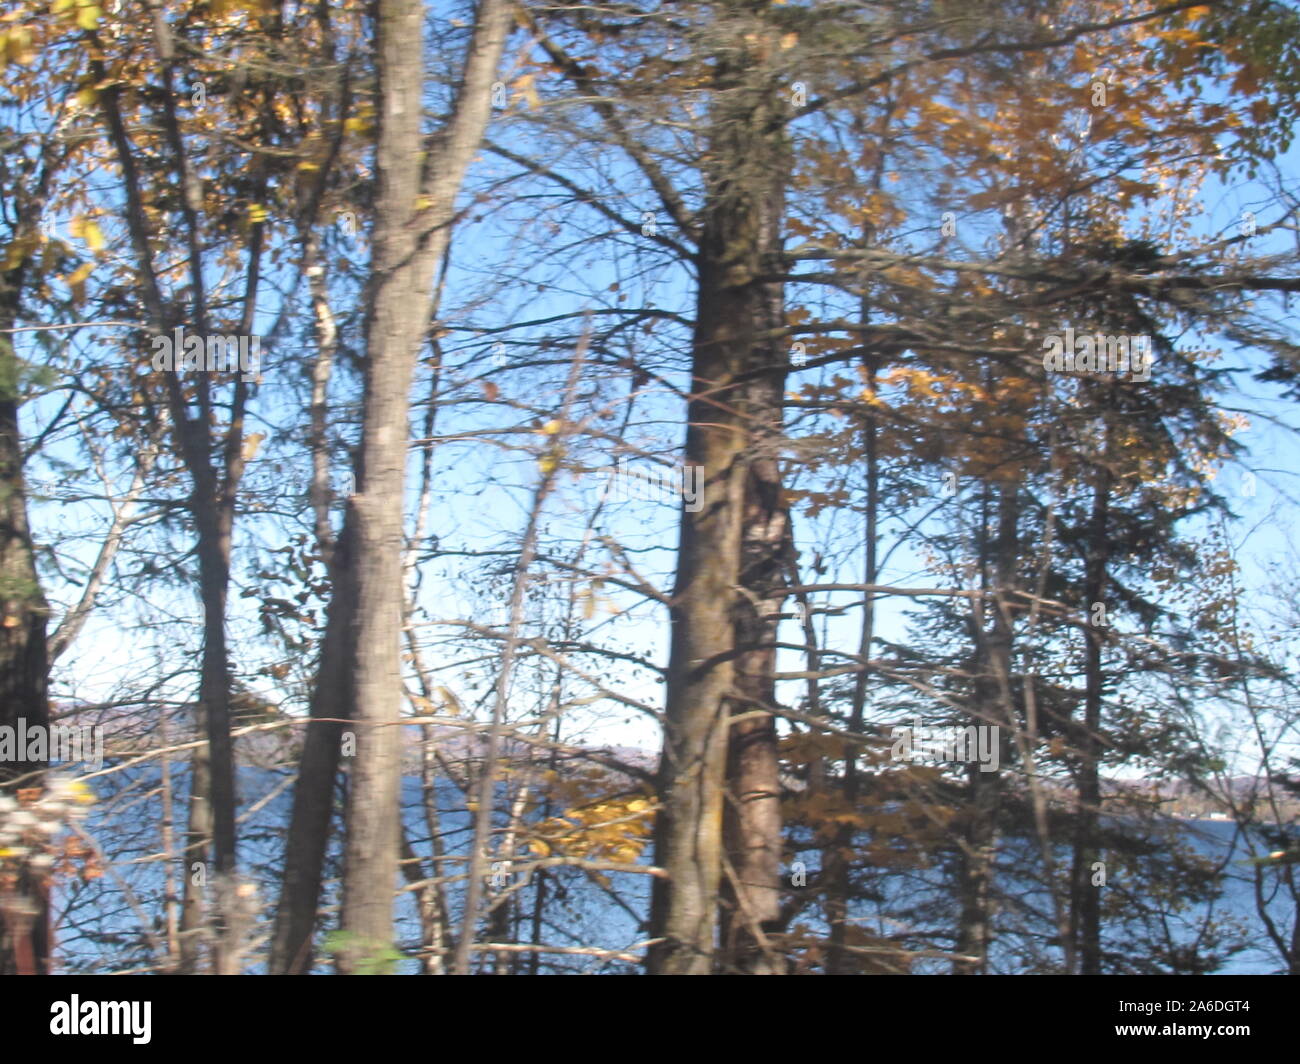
x=313 y=796
x=837 y=855
x=992 y=709
x=737 y=382
x=688 y=830
x=215 y=485
x=414 y=206
x=752 y=817
x=1086 y=898
x=24 y=663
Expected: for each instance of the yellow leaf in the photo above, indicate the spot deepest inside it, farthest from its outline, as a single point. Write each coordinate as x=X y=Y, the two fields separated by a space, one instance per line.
x=525 y=86
x=450 y=703
x=789 y=41
x=88 y=231
x=88 y=17
x=79 y=275
x=551 y=428
x=16 y=45
x=548 y=464
x=251 y=444
x=256 y=213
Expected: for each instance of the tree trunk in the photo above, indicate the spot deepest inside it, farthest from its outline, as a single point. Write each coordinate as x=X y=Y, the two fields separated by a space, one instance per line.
x=992 y=708
x=212 y=779
x=752 y=818
x=688 y=830
x=24 y=665
x=211 y=821
x=837 y=856
x=734 y=368
x=1086 y=898
x=414 y=205
x=331 y=699
x=313 y=795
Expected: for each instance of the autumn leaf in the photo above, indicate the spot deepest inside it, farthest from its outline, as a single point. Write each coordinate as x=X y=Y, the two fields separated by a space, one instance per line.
x=251 y=444
x=526 y=89
x=89 y=231
x=77 y=280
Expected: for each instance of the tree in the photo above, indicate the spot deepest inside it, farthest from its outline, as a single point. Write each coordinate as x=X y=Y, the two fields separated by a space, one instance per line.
x=418 y=178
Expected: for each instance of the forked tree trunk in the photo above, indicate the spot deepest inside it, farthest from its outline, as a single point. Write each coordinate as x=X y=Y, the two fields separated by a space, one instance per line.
x=417 y=185
x=215 y=481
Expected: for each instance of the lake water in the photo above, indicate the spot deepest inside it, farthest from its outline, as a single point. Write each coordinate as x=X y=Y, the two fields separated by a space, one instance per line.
x=100 y=926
